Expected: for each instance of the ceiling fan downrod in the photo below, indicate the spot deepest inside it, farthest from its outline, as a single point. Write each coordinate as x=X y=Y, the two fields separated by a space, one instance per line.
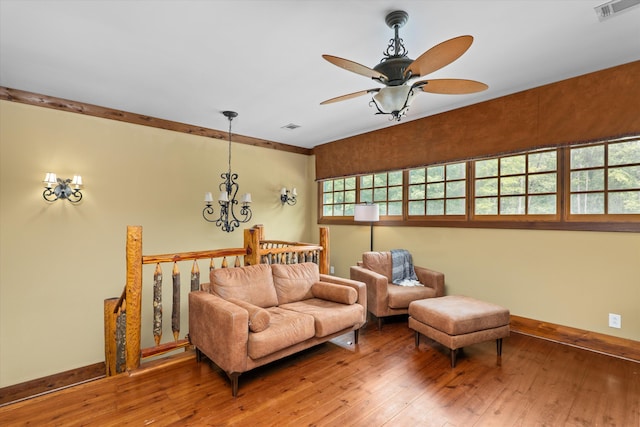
x=396 y=20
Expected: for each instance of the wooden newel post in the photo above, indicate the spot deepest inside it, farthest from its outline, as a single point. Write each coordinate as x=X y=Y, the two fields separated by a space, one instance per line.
x=252 y=246
x=323 y=265
x=133 y=296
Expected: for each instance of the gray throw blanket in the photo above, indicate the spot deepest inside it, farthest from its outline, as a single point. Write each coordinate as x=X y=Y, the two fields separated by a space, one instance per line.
x=402 y=271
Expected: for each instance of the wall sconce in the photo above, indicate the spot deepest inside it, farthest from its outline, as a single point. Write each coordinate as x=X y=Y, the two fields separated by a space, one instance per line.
x=289 y=197
x=57 y=188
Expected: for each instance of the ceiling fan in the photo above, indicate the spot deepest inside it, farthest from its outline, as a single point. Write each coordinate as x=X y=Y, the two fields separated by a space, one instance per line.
x=396 y=70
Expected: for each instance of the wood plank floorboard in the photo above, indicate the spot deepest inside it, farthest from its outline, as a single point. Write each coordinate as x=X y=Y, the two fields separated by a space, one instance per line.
x=382 y=381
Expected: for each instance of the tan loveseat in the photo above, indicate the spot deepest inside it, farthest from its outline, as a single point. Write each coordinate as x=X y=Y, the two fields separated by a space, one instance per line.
x=383 y=297
x=250 y=316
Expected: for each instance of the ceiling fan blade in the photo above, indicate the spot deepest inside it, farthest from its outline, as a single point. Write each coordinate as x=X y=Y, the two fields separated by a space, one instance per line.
x=348 y=96
x=355 y=67
x=440 y=55
x=450 y=86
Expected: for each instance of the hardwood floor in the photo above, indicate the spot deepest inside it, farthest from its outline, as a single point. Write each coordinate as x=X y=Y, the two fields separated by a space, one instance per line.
x=384 y=380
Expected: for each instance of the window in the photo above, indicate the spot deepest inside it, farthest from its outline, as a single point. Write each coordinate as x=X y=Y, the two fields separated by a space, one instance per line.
x=605 y=179
x=437 y=190
x=521 y=185
x=339 y=197
x=384 y=189
x=593 y=186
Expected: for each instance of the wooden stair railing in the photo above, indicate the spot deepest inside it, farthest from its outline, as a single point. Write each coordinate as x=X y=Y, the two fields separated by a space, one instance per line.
x=122 y=316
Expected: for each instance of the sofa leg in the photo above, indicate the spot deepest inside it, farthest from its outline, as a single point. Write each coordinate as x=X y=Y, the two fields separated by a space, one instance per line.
x=499 y=346
x=234 y=383
x=198 y=355
x=356 y=334
x=417 y=339
x=453 y=357
x=379 y=323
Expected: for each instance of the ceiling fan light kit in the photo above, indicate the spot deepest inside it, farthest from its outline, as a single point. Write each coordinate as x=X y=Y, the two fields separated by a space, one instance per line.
x=396 y=69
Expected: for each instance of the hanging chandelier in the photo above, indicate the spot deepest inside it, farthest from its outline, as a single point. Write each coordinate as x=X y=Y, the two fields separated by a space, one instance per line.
x=227 y=219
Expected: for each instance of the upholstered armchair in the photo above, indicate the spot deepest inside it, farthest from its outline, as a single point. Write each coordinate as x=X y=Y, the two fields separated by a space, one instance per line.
x=383 y=297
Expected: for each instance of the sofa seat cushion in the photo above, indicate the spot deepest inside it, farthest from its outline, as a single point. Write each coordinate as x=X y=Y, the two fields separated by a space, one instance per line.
x=253 y=284
x=330 y=317
x=286 y=328
x=401 y=296
x=293 y=282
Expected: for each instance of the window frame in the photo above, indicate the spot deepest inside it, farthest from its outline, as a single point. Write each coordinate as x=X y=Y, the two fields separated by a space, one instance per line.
x=561 y=220
x=526 y=217
x=602 y=217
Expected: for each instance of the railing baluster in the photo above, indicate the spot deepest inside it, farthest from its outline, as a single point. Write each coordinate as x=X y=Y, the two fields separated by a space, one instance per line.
x=121 y=341
x=224 y=263
x=157 y=304
x=195 y=276
x=175 y=310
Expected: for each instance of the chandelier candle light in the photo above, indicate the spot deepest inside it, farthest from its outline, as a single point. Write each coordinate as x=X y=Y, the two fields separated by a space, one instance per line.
x=228 y=220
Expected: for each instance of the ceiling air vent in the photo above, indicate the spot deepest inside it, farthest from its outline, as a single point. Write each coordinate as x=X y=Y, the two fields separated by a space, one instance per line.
x=292 y=126
x=614 y=7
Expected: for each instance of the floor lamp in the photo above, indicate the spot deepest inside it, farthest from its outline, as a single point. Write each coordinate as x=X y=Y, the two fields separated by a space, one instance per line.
x=367 y=213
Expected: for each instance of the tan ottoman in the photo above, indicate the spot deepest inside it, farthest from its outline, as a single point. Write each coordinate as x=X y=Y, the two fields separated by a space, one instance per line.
x=457 y=321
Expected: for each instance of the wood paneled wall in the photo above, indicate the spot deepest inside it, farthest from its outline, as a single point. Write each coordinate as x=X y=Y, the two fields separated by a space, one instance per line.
x=595 y=106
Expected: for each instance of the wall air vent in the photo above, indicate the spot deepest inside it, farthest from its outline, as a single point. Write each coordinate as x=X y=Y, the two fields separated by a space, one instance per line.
x=614 y=7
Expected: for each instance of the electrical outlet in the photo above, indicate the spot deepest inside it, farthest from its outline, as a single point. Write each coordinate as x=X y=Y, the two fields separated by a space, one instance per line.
x=615 y=321
x=332 y=270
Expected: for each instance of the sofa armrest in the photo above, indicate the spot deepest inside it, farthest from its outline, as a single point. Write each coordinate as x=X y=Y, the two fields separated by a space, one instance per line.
x=431 y=278
x=377 y=292
x=220 y=330
x=359 y=286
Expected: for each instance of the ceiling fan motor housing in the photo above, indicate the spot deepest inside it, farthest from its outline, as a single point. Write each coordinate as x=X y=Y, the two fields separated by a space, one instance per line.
x=394 y=69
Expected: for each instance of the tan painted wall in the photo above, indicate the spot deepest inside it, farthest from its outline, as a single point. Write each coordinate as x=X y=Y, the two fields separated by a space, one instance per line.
x=568 y=278
x=58 y=261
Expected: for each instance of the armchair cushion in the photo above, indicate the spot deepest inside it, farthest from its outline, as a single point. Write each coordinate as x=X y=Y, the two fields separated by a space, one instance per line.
x=259 y=318
x=335 y=293
x=293 y=282
x=253 y=284
x=401 y=296
x=379 y=262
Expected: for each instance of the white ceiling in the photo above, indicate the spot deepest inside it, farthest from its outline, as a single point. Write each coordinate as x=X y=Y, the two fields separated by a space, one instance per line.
x=188 y=60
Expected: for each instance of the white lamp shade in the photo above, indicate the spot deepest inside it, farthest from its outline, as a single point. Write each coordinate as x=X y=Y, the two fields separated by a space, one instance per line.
x=294 y=191
x=208 y=198
x=246 y=198
x=368 y=213
x=224 y=197
x=394 y=98
x=283 y=191
x=50 y=178
x=77 y=180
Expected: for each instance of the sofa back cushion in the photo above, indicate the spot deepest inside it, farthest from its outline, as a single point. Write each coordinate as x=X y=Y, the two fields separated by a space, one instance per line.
x=253 y=284
x=293 y=282
x=379 y=262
